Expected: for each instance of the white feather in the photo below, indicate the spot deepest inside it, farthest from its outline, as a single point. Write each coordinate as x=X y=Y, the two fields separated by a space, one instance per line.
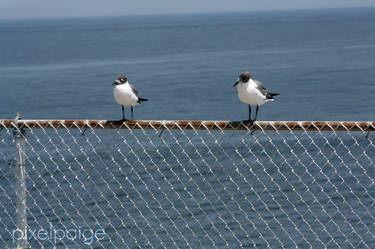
x=124 y=95
x=249 y=93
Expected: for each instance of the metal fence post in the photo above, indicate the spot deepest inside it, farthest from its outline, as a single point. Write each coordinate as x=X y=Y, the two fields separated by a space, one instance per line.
x=19 y=140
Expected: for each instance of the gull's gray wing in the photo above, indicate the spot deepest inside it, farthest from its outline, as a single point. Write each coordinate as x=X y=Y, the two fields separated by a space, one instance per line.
x=264 y=91
x=134 y=90
x=261 y=88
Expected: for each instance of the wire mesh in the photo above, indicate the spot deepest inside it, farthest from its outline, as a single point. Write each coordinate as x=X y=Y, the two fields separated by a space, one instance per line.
x=190 y=184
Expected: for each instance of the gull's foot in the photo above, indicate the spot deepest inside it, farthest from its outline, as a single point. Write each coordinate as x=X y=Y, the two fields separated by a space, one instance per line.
x=249 y=121
x=117 y=122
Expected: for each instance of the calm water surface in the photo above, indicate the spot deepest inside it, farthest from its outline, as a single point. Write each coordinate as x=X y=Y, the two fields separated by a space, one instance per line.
x=321 y=62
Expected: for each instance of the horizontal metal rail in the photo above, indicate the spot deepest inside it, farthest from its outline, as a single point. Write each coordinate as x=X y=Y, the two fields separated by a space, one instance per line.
x=194 y=125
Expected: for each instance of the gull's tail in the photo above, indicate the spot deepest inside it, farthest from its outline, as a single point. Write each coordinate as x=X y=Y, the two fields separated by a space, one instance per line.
x=141 y=99
x=270 y=96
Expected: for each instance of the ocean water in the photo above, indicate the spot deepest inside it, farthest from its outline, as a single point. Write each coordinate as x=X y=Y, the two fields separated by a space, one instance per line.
x=171 y=190
x=321 y=62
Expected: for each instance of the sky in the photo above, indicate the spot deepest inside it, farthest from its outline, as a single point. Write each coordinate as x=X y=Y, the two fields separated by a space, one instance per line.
x=15 y=9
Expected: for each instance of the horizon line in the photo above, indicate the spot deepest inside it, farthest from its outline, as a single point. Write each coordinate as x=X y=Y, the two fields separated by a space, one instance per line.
x=188 y=13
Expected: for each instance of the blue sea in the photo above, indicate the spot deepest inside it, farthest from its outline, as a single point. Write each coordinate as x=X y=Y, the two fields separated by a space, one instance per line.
x=186 y=189
x=322 y=62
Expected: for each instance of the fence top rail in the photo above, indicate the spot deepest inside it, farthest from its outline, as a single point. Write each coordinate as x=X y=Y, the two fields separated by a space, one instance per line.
x=193 y=125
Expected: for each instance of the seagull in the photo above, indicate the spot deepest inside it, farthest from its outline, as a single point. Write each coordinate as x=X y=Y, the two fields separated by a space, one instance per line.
x=126 y=95
x=252 y=92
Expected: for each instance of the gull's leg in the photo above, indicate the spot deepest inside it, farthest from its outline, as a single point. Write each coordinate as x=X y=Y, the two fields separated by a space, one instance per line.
x=123 y=113
x=249 y=113
x=256 y=113
x=131 y=108
x=249 y=120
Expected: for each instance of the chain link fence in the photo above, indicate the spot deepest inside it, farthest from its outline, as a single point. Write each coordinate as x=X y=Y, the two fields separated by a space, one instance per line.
x=186 y=184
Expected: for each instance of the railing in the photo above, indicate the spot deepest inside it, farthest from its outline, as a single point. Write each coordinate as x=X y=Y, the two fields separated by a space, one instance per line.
x=186 y=184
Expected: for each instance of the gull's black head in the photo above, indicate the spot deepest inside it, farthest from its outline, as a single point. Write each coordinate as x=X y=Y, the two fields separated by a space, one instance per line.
x=243 y=77
x=121 y=79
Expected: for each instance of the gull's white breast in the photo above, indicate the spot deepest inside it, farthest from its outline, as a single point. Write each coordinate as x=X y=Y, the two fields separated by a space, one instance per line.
x=124 y=95
x=249 y=94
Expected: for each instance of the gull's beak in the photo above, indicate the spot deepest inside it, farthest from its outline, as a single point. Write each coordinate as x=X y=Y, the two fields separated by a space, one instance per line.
x=114 y=83
x=235 y=84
